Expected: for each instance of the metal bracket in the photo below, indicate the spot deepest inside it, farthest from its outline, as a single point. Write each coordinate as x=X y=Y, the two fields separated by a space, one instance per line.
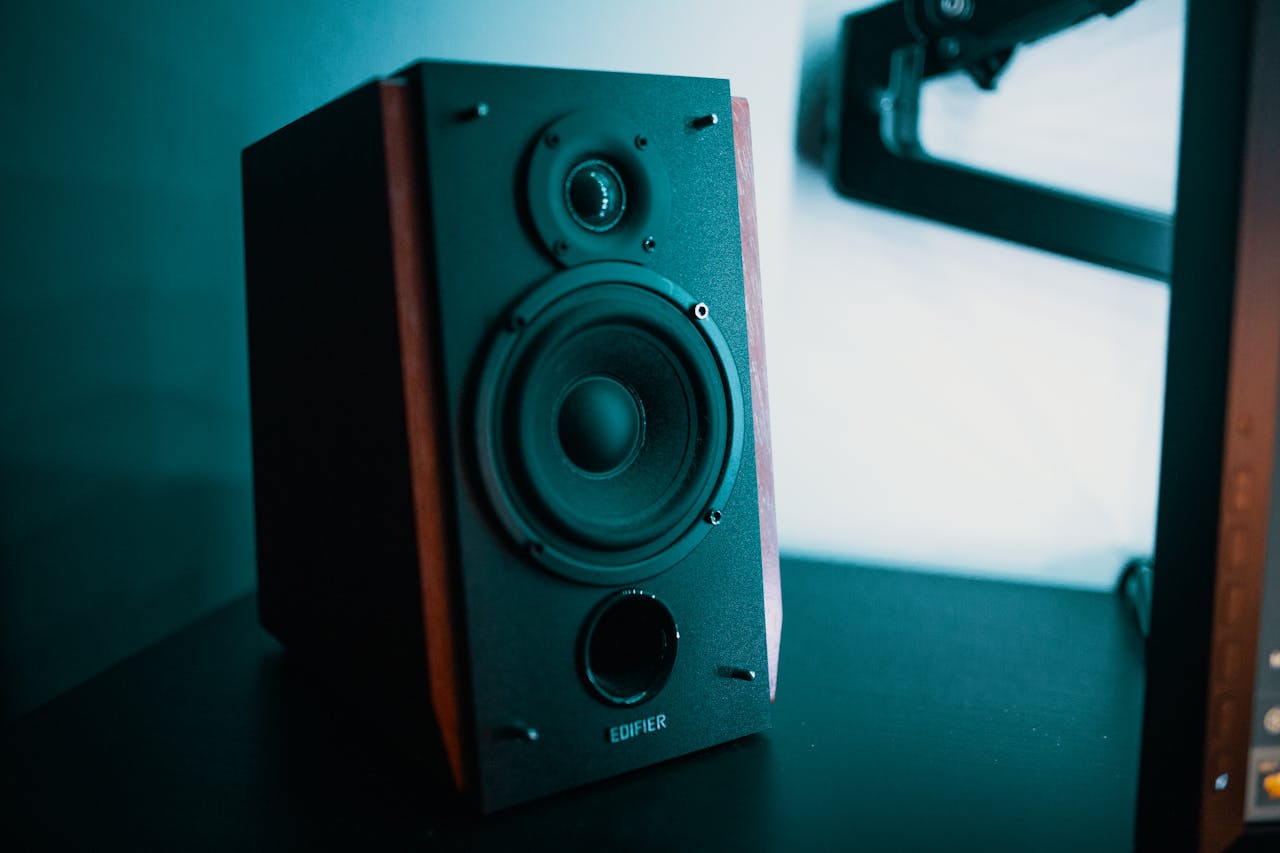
x=1136 y=584
x=873 y=151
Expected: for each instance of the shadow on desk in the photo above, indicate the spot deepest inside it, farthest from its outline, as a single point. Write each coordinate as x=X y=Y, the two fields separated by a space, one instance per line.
x=353 y=790
x=915 y=712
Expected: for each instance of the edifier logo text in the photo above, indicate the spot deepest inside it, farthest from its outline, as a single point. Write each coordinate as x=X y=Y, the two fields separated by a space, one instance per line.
x=647 y=726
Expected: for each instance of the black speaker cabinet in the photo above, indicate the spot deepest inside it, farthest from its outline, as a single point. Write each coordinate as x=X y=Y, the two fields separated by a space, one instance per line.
x=510 y=439
x=1210 y=772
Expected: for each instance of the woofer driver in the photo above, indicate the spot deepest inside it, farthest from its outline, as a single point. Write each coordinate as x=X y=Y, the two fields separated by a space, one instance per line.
x=609 y=423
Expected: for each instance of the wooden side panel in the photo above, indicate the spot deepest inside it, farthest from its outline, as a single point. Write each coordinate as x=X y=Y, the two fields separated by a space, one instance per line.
x=406 y=198
x=759 y=386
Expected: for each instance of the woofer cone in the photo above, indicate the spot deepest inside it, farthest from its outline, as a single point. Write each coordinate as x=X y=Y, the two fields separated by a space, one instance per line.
x=610 y=423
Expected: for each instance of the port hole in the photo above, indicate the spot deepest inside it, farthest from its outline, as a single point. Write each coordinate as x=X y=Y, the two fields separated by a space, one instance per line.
x=629 y=648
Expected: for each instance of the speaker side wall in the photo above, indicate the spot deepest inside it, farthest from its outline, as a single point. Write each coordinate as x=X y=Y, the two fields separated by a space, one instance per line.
x=415 y=288
x=770 y=565
x=337 y=563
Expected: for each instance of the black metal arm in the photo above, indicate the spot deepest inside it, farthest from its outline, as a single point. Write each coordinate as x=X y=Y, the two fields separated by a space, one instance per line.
x=874 y=153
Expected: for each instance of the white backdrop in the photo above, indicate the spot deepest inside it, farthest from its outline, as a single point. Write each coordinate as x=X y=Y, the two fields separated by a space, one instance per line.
x=947 y=401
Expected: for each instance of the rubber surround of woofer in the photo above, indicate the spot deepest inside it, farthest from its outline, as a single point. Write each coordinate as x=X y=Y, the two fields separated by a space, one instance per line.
x=664 y=395
x=598 y=135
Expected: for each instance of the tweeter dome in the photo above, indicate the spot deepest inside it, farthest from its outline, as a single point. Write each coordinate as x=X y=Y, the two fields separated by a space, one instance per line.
x=510 y=434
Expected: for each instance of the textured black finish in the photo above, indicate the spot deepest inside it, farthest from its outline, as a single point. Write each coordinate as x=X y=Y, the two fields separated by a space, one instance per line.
x=915 y=713
x=485 y=261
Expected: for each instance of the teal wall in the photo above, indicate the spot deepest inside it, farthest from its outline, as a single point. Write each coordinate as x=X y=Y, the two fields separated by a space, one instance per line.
x=125 y=499
x=124 y=439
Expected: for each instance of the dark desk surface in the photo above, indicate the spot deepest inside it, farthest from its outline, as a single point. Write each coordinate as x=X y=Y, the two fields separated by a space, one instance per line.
x=914 y=712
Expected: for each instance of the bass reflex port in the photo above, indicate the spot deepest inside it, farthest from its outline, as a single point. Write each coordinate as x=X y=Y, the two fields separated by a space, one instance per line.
x=629 y=648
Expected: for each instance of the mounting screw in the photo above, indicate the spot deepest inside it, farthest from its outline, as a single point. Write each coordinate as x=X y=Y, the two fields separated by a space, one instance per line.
x=956 y=10
x=948 y=48
x=560 y=247
x=701 y=311
x=480 y=109
x=528 y=734
x=551 y=140
x=648 y=244
x=703 y=122
x=642 y=142
x=740 y=673
x=714 y=517
x=516 y=322
x=535 y=549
